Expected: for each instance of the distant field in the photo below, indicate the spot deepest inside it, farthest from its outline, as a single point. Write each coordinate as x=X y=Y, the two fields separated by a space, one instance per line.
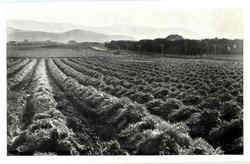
x=227 y=57
x=44 y=52
x=66 y=52
x=211 y=57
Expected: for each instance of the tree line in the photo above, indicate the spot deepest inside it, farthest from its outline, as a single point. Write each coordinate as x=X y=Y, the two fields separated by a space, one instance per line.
x=180 y=46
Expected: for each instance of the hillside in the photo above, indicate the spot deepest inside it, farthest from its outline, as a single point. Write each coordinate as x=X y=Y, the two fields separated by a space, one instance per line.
x=137 y=31
x=76 y=34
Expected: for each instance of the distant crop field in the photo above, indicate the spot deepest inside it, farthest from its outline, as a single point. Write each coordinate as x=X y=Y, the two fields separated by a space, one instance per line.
x=44 y=52
x=63 y=102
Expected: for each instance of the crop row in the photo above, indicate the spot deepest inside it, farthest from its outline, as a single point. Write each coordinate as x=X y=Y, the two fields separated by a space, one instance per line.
x=109 y=83
x=23 y=75
x=203 y=79
x=134 y=128
x=212 y=90
x=44 y=128
x=193 y=99
x=13 y=61
x=15 y=68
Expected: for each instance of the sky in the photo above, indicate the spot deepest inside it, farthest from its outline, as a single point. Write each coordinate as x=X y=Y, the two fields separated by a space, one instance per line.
x=207 y=22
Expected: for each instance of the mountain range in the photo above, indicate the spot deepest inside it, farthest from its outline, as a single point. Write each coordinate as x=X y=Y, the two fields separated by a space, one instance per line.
x=75 y=34
x=105 y=33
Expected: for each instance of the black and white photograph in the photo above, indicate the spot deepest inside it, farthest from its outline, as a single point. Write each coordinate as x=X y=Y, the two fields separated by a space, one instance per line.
x=128 y=80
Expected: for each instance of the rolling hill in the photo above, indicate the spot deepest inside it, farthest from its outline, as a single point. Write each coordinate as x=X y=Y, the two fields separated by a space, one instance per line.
x=137 y=31
x=75 y=34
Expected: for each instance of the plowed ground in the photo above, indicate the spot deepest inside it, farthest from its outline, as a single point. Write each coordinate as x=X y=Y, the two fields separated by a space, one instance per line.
x=116 y=105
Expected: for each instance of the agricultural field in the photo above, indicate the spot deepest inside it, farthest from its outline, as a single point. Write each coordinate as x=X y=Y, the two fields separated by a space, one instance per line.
x=102 y=104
